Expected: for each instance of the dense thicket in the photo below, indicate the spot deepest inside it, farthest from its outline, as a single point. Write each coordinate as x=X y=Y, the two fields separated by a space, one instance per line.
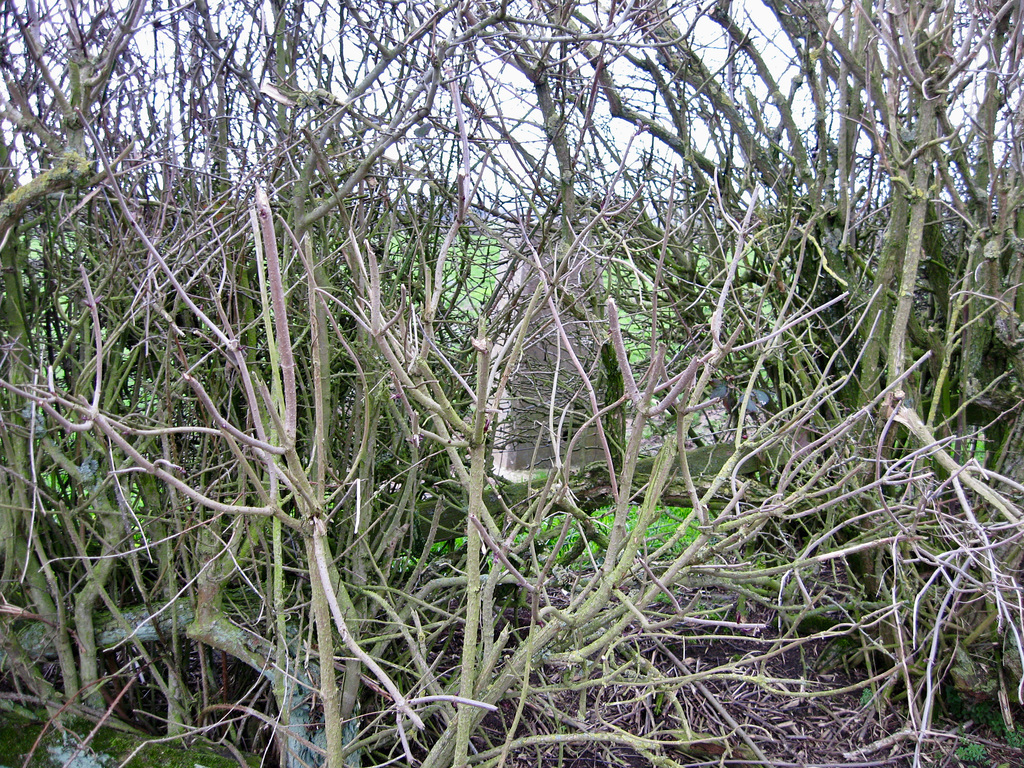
x=288 y=289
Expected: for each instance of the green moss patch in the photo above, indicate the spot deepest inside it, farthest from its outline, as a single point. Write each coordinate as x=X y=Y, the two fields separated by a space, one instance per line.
x=108 y=749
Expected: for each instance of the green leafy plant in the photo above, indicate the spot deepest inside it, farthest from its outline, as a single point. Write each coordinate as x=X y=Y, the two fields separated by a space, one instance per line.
x=971 y=751
x=1015 y=738
x=658 y=532
x=984 y=712
x=866 y=696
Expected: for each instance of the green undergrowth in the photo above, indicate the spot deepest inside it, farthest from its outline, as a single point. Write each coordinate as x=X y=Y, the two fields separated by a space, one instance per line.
x=984 y=714
x=62 y=747
x=660 y=531
x=571 y=553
